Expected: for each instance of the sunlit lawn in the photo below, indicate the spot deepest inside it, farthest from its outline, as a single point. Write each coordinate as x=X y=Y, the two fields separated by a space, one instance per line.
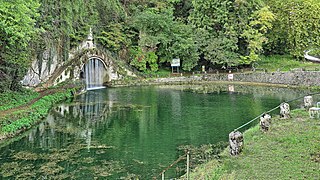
x=285 y=63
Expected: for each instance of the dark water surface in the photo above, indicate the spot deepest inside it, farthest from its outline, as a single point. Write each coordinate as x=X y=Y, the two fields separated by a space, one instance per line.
x=121 y=133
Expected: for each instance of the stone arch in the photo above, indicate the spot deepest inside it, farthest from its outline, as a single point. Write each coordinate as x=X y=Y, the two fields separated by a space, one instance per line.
x=95 y=57
x=94 y=72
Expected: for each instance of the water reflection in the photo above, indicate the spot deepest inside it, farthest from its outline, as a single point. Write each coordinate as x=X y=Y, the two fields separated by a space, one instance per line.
x=231 y=88
x=131 y=132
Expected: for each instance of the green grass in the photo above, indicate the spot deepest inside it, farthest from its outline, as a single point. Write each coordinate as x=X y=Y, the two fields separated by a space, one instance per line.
x=14 y=99
x=21 y=119
x=285 y=63
x=290 y=150
x=162 y=72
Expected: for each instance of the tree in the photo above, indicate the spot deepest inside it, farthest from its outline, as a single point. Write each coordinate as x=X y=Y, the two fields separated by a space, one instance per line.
x=17 y=22
x=167 y=38
x=296 y=27
x=231 y=32
x=261 y=22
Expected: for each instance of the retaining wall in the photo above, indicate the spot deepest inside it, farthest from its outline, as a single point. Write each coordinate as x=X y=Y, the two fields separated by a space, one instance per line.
x=298 y=78
x=301 y=78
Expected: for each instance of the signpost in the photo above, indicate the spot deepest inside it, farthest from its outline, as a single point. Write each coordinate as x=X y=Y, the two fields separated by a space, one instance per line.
x=175 y=63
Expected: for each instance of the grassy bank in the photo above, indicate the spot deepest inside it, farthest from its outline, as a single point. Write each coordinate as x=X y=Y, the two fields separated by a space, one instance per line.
x=25 y=114
x=11 y=100
x=285 y=63
x=290 y=150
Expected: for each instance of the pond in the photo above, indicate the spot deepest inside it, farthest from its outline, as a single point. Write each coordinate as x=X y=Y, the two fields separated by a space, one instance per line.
x=132 y=132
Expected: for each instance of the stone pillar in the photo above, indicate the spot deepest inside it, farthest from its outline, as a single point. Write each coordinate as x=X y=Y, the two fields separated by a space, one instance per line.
x=284 y=110
x=308 y=102
x=236 y=142
x=265 y=122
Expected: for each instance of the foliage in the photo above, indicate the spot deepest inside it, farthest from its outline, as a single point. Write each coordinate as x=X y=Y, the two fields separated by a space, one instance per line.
x=114 y=39
x=38 y=111
x=16 y=31
x=13 y=99
x=261 y=22
x=144 y=61
x=296 y=27
x=315 y=53
x=158 y=32
x=227 y=32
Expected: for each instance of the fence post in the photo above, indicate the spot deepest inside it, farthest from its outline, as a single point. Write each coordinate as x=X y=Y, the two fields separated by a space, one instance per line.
x=236 y=142
x=284 y=110
x=307 y=102
x=188 y=164
x=162 y=176
x=265 y=121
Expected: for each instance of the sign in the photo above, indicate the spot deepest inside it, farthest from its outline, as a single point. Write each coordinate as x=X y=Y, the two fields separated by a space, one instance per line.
x=175 y=62
x=230 y=77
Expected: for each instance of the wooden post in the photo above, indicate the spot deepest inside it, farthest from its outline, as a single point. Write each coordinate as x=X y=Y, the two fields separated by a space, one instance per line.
x=188 y=164
x=265 y=121
x=235 y=142
x=284 y=110
x=307 y=102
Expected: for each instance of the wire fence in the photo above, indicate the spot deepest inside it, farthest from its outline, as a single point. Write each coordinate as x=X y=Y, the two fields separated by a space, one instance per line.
x=275 y=108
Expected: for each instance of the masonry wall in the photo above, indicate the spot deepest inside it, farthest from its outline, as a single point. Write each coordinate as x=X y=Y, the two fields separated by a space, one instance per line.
x=301 y=78
x=298 y=78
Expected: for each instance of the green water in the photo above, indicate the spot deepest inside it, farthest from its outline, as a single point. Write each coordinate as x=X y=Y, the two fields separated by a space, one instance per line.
x=123 y=133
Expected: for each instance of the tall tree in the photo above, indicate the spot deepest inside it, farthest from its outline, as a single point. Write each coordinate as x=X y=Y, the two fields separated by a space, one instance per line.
x=167 y=38
x=228 y=30
x=260 y=22
x=296 y=28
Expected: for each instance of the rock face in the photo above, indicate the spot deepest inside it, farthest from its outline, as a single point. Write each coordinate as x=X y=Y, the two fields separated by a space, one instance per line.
x=42 y=67
x=284 y=110
x=265 y=122
x=235 y=142
x=52 y=68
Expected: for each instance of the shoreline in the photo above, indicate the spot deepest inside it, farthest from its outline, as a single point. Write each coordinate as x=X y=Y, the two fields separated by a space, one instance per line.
x=294 y=79
x=201 y=83
x=192 y=80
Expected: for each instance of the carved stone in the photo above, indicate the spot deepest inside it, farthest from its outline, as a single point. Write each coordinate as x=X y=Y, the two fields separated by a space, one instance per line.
x=308 y=102
x=236 y=142
x=265 y=122
x=284 y=110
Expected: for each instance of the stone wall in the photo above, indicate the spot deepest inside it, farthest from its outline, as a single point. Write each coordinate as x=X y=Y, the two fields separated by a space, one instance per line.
x=298 y=78
x=294 y=78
